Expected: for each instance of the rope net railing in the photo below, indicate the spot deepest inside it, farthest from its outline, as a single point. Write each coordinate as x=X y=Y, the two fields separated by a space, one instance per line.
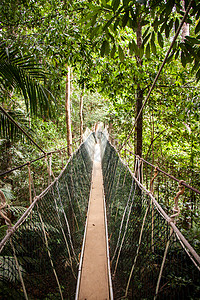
x=165 y=190
x=150 y=258
x=40 y=253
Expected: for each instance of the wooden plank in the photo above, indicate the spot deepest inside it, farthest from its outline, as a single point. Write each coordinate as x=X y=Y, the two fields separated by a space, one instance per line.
x=94 y=275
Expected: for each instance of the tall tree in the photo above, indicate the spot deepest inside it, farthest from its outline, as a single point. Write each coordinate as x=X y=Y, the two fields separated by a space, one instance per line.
x=141 y=26
x=68 y=113
x=81 y=114
x=139 y=100
x=186 y=27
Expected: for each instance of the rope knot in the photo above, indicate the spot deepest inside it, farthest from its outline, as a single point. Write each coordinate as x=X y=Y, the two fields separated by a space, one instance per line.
x=10 y=229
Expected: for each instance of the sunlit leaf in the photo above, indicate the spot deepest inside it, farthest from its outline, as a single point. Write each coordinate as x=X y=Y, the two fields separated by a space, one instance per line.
x=115 y=4
x=121 y=53
x=148 y=50
x=197 y=28
x=160 y=39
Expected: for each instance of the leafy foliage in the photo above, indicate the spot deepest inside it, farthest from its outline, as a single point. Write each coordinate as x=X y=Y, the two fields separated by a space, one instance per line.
x=159 y=20
x=8 y=129
x=22 y=73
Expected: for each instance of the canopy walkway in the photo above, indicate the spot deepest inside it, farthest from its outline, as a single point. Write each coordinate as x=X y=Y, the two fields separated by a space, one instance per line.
x=98 y=232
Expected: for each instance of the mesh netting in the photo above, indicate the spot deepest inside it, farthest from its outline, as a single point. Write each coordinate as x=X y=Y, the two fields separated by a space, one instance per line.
x=140 y=236
x=40 y=259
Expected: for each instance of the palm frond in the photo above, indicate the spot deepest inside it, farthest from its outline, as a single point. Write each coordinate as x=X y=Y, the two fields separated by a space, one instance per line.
x=8 y=130
x=9 y=268
x=25 y=75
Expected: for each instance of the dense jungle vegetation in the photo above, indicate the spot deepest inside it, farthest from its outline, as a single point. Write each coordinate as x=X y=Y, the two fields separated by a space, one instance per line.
x=104 y=56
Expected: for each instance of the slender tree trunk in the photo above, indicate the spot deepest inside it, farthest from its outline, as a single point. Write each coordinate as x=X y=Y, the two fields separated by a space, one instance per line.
x=139 y=122
x=68 y=113
x=186 y=27
x=81 y=115
x=139 y=100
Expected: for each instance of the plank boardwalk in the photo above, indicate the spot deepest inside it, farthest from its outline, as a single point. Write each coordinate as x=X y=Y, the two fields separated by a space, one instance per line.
x=94 y=276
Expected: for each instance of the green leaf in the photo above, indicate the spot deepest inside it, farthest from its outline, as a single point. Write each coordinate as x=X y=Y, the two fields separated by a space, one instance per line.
x=153 y=36
x=95 y=31
x=146 y=32
x=164 y=25
x=175 y=45
x=121 y=53
x=103 y=48
x=146 y=39
x=8 y=129
x=107 y=47
x=126 y=2
x=176 y=24
x=88 y=17
x=115 y=4
x=23 y=73
x=198 y=12
x=197 y=28
x=189 y=48
x=198 y=75
x=177 y=54
x=112 y=54
x=160 y=39
x=93 y=21
x=131 y=48
x=133 y=20
x=155 y=24
x=141 y=52
x=148 y=50
x=108 y=23
x=135 y=47
x=125 y=19
x=171 y=24
x=183 y=59
x=116 y=23
x=169 y=59
x=169 y=6
x=193 y=41
x=196 y=65
x=144 y=22
x=153 y=47
x=167 y=31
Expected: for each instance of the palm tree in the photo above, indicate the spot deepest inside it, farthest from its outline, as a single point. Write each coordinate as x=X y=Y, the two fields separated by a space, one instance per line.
x=21 y=73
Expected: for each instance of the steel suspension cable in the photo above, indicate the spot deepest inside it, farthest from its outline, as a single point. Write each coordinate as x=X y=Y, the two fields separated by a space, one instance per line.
x=158 y=74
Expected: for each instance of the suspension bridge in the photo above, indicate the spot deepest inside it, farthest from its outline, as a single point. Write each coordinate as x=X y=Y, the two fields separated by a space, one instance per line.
x=100 y=231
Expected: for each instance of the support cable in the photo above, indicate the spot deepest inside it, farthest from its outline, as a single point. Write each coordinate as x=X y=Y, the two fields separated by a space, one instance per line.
x=158 y=74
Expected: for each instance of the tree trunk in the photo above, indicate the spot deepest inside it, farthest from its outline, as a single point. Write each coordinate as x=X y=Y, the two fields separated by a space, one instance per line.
x=139 y=124
x=139 y=101
x=68 y=113
x=81 y=115
x=186 y=28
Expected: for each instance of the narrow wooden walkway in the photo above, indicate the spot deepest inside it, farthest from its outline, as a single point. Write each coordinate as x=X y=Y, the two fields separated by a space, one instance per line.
x=94 y=282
